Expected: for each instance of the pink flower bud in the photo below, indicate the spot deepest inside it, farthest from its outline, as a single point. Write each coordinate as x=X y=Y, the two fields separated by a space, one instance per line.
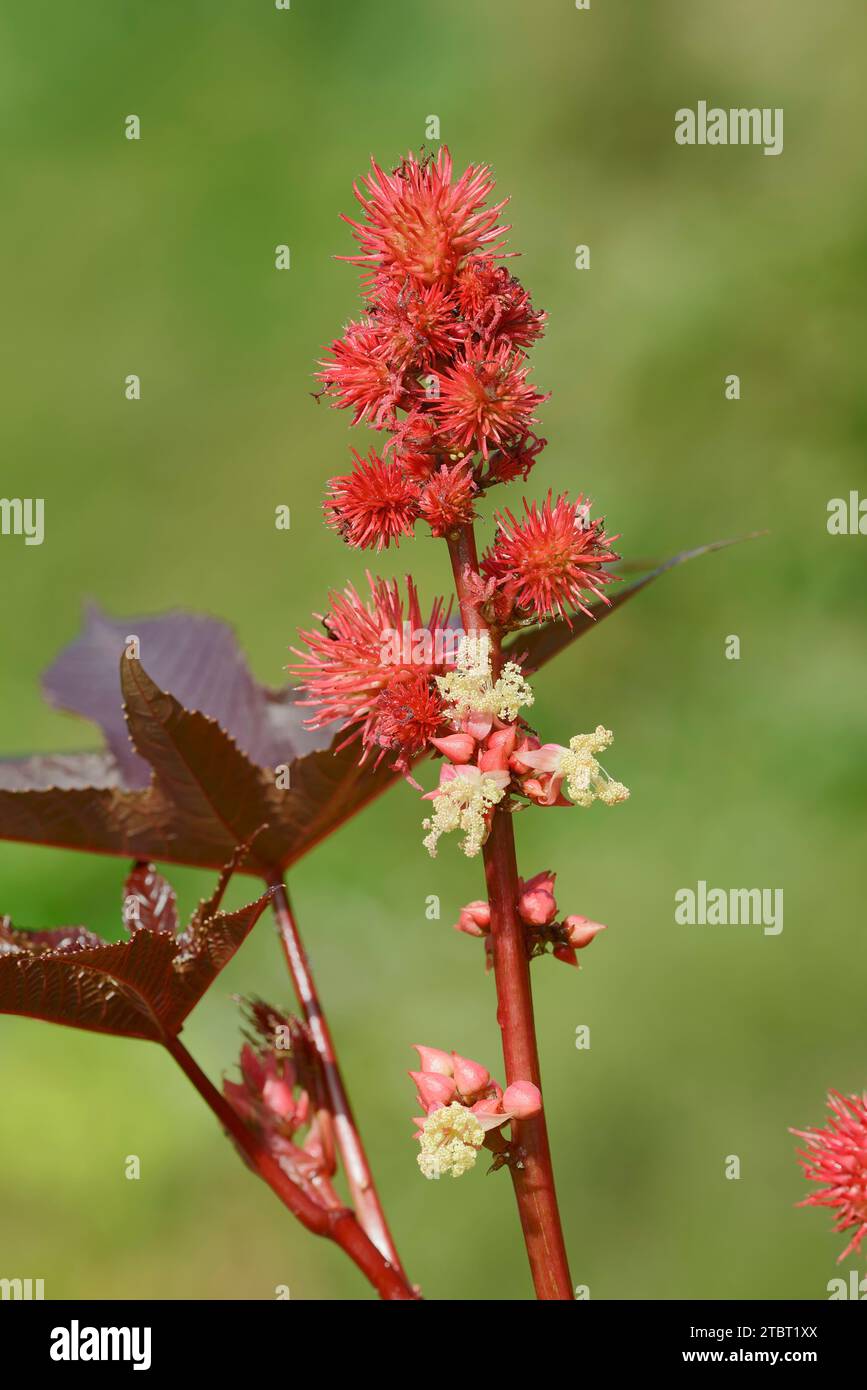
x=475 y=920
x=516 y=761
x=581 y=931
x=458 y=748
x=566 y=954
x=522 y=1099
x=434 y=1060
x=492 y=760
x=470 y=1077
x=537 y=909
x=537 y=905
x=497 y=750
x=433 y=1089
x=278 y=1097
x=503 y=740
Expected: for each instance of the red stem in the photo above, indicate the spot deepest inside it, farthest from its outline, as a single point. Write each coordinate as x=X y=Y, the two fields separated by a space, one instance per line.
x=358 y=1175
x=534 y=1178
x=338 y=1224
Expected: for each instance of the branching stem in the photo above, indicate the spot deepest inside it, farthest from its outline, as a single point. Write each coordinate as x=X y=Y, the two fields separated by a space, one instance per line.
x=338 y=1224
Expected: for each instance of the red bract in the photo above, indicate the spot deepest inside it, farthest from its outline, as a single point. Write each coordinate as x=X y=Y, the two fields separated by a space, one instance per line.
x=551 y=560
x=373 y=505
x=417 y=223
x=361 y=377
x=363 y=648
x=837 y=1157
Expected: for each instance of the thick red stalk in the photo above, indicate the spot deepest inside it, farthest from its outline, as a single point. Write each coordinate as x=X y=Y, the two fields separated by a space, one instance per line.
x=534 y=1178
x=358 y=1175
x=335 y=1223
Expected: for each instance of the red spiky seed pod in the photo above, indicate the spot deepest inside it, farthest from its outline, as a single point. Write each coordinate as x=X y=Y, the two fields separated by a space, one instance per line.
x=373 y=505
x=360 y=377
x=484 y=400
x=417 y=222
x=553 y=560
x=446 y=501
x=836 y=1156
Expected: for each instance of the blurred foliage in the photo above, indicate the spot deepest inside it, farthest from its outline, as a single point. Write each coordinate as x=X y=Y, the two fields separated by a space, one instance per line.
x=157 y=258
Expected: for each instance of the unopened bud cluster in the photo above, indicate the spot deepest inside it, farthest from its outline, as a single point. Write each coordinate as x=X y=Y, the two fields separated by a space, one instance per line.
x=464 y=1111
x=537 y=909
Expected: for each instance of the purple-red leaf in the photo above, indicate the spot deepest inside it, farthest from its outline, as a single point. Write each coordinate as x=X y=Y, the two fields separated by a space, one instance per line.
x=62 y=770
x=198 y=659
x=204 y=798
x=149 y=901
x=143 y=987
x=216 y=794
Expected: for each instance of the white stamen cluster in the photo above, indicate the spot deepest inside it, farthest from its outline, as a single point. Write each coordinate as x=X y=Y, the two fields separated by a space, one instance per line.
x=470 y=689
x=463 y=804
x=586 y=780
x=450 y=1141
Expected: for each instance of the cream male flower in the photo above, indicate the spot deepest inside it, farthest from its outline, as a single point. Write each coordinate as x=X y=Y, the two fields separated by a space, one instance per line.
x=463 y=801
x=586 y=780
x=471 y=693
x=450 y=1141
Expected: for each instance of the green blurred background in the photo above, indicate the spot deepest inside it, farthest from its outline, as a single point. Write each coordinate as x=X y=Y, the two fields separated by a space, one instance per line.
x=157 y=258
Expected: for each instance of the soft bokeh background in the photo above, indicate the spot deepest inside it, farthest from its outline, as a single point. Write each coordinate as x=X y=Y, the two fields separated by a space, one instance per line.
x=157 y=258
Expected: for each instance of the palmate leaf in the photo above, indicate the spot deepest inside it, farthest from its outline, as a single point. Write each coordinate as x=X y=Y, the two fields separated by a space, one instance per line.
x=326 y=789
x=198 y=659
x=205 y=794
x=142 y=987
